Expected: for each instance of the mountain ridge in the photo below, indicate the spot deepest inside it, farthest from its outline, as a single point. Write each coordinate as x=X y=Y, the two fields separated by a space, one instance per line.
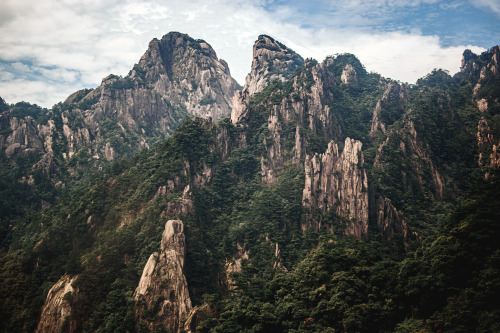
x=330 y=200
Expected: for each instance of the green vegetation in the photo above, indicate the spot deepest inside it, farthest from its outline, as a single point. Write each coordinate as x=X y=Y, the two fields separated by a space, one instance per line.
x=106 y=223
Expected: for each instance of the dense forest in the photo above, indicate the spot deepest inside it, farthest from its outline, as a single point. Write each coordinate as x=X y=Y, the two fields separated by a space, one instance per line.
x=399 y=235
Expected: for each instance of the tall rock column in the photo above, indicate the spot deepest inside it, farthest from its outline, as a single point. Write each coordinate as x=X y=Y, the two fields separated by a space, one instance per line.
x=163 y=287
x=338 y=181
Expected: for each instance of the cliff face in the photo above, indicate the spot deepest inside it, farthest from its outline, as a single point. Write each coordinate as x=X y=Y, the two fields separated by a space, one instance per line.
x=272 y=61
x=484 y=71
x=297 y=113
x=163 y=287
x=390 y=107
x=176 y=77
x=338 y=181
x=57 y=307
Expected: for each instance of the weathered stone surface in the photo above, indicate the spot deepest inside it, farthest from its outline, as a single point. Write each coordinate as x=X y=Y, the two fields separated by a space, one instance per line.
x=57 y=306
x=177 y=76
x=349 y=75
x=390 y=222
x=272 y=61
x=489 y=153
x=482 y=105
x=395 y=96
x=338 y=181
x=306 y=109
x=234 y=265
x=163 y=283
x=198 y=315
x=417 y=157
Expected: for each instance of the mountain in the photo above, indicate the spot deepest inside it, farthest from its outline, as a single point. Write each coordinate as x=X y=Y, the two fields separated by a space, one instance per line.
x=332 y=199
x=177 y=77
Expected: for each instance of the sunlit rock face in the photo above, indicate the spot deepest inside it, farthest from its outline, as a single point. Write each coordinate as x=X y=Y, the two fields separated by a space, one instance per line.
x=163 y=285
x=176 y=77
x=338 y=181
x=272 y=61
x=57 y=307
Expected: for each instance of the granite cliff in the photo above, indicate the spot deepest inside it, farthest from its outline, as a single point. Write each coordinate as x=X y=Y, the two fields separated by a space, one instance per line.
x=176 y=77
x=311 y=196
x=163 y=287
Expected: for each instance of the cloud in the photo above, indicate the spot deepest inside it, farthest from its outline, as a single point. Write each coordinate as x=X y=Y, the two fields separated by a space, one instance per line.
x=494 y=5
x=68 y=44
x=39 y=92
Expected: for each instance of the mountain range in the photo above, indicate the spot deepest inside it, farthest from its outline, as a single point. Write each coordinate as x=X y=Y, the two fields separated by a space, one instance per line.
x=317 y=197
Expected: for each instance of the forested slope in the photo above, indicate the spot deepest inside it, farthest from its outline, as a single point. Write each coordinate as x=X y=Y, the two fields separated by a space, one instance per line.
x=333 y=200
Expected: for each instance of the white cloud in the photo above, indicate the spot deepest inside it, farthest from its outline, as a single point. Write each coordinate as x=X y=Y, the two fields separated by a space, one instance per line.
x=74 y=44
x=39 y=92
x=494 y=5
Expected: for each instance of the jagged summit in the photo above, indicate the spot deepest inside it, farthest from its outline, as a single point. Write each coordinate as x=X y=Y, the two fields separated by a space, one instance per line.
x=176 y=77
x=271 y=61
x=478 y=65
x=161 y=54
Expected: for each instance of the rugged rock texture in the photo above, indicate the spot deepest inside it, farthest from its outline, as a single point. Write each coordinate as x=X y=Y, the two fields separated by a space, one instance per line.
x=349 y=75
x=234 y=266
x=338 y=181
x=198 y=315
x=272 y=61
x=176 y=77
x=389 y=107
x=390 y=222
x=163 y=285
x=57 y=307
x=306 y=109
x=485 y=70
x=187 y=73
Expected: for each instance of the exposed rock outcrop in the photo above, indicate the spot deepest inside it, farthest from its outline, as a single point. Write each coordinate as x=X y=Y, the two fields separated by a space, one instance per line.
x=485 y=69
x=234 y=266
x=306 y=108
x=272 y=61
x=349 y=75
x=57 y=307
x=389 y=221
x=389 y=107
x=338 y=181
x=176 y=77
x=163 y=286
x=198 y=315
x=417 y=160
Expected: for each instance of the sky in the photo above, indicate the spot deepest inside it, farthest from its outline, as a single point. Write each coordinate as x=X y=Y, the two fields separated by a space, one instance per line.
x=51 y=48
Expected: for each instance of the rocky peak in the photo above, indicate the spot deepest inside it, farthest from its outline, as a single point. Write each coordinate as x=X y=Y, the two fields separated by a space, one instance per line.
x=478 y=65
x=163 y=287
x=271 y=61
x=177 y=76
x=162 y=55
x=468 y=59
x=187 y=72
